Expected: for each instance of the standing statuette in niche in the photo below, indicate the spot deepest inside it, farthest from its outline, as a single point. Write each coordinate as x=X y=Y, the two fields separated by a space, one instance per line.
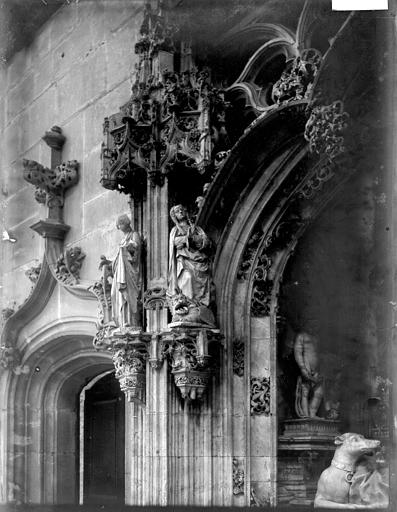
x=189 y=275
x=126 y=271
x=309 y=387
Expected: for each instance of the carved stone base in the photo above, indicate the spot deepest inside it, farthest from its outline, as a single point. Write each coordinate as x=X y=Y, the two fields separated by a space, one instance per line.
x=305 y=449
x=307 y=433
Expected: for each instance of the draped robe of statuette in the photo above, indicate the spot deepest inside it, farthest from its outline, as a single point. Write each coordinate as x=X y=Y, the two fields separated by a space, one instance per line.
x=189 y=266
x=126 y=285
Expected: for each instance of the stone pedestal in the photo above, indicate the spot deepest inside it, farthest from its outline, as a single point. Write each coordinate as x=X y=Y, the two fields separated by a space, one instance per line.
x=305 y=449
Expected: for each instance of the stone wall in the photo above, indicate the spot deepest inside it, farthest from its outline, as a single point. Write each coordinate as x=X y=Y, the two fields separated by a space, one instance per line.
x=76 y=72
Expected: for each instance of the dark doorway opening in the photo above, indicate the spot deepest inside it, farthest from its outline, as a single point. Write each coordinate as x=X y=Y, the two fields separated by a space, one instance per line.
x=103 y=434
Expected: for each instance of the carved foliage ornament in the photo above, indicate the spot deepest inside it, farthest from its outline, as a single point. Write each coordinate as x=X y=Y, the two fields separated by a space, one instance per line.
x=321 y=175
x=262 y=288
x=324 y=130
x=297 y=79
x=249 y=254
x=260 y=395
x=68 y=266
x=238 y=357
x=238 y=478
x=51 y=183
x=33 y=273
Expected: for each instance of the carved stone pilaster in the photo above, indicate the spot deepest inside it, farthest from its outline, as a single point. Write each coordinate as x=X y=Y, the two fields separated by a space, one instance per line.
x=325 y=128
x=238 y=478
x=297 y=79
x=379 y=409
x=260 y=396
x=192 y=354
x=68 y=265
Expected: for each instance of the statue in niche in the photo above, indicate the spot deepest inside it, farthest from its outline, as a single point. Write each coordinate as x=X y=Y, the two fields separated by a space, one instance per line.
x=189 y=276
x=309 y=387
x=126 y=272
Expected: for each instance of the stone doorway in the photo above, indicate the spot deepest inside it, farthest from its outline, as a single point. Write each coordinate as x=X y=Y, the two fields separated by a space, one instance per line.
x=102 y=441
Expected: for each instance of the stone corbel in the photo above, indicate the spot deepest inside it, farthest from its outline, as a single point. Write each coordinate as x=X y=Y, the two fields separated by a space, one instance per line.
x=130 y=366
x=130 y=350
x=51 y=185
x=192 y=354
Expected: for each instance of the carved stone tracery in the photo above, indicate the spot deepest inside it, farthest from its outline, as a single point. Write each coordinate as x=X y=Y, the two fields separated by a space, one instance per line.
x=172 y=116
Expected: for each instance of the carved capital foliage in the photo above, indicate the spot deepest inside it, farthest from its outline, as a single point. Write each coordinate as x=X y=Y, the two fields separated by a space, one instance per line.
x=238 y=478
x=155 y=298
x=324 y=130
x=51 y=184
x=238 y=357
x=130 y=366
x=297 y=79
x=260 y=395
x=68 y=266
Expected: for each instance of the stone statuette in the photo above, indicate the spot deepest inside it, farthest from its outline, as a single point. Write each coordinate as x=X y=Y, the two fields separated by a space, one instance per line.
x=126 y=271
x=309 y=387
x=189 y=277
